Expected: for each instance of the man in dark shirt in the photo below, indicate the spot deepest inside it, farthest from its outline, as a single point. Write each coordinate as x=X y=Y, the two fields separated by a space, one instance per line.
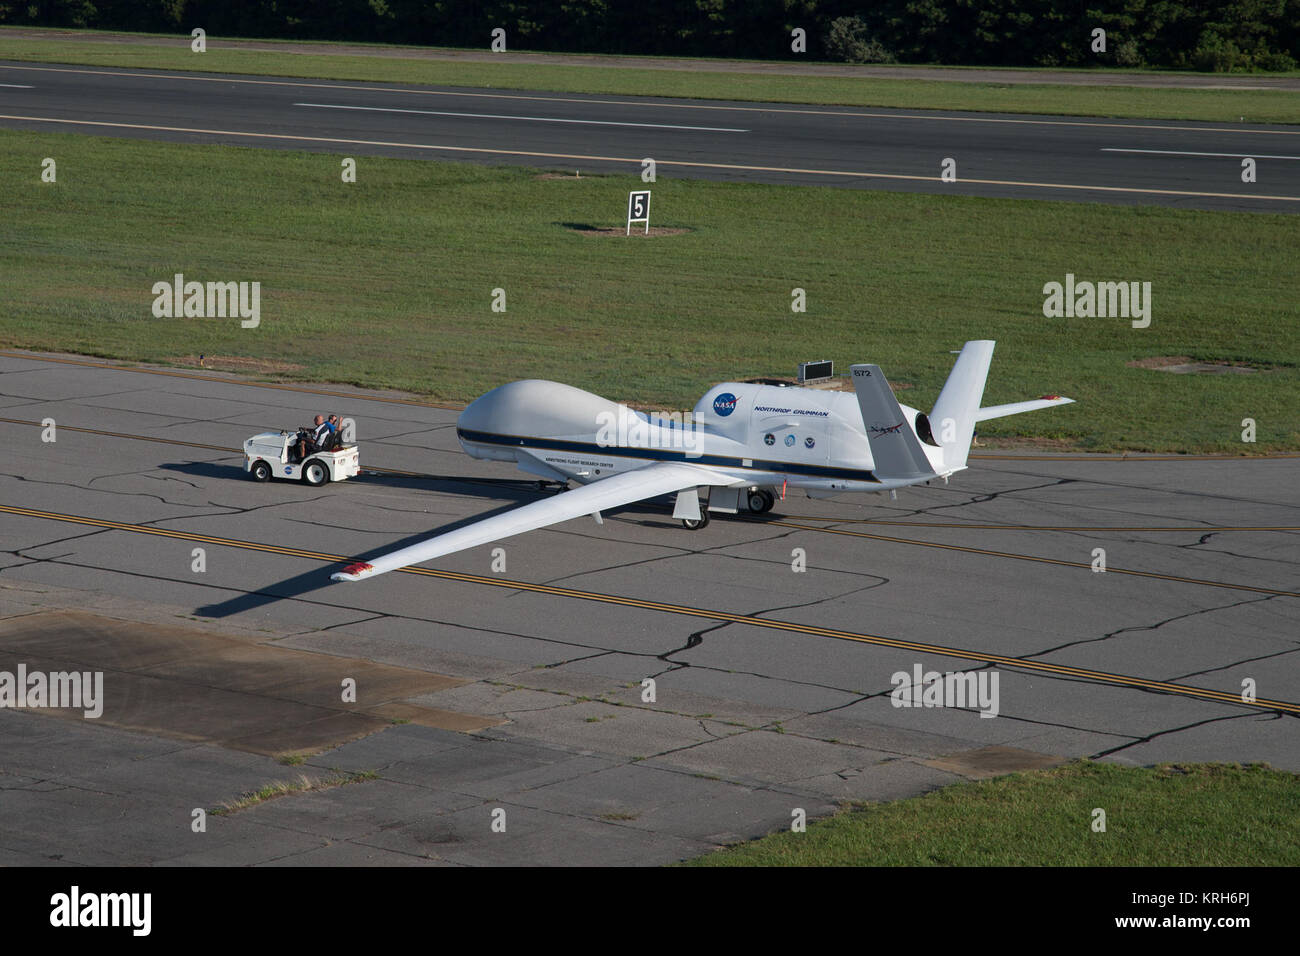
x=311 y=441
x=320 y=432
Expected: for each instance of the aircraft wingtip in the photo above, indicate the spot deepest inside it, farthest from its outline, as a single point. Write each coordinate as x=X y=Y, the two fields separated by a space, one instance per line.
x=353 y=572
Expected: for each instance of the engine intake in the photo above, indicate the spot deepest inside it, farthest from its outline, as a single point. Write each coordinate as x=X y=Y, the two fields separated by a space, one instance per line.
x=923 y=430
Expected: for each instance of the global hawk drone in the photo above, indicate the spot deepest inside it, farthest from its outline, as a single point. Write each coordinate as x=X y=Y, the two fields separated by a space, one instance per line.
x=743 y=444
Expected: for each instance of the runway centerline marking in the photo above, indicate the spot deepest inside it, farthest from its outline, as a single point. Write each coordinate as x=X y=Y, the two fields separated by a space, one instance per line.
x=1186 y=152
x=17 y=86
x=850 y=174
x=527 y=119
x=1039 y=667
x=776 y=108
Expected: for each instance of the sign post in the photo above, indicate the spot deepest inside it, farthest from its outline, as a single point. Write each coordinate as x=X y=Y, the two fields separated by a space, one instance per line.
x=638 y=210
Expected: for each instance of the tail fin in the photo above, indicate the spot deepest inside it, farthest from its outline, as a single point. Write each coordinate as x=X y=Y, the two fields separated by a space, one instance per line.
x=957 y=409
x=895 y=450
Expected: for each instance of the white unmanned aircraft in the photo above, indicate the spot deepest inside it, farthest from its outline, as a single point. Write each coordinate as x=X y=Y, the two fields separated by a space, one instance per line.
x=744 y=443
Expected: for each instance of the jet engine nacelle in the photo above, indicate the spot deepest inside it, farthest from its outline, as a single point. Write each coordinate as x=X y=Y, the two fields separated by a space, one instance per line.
x=921 y=424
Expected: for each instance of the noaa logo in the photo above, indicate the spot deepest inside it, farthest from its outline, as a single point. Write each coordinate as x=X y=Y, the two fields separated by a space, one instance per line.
x=808 y=442
x=724 y=404
x=789 y=440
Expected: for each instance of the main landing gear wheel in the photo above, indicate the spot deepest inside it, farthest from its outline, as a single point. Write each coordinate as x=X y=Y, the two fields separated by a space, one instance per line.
x=760 y=501
x=693 y=524
x=315 y=473
x=261 y=471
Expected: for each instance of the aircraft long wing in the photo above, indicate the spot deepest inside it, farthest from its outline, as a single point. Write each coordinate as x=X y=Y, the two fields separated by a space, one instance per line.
x=660 y=478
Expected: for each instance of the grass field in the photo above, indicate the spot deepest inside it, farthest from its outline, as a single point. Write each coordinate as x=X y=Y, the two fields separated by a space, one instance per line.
x=1226 y=106
x=1171 y=815
x=388 y=282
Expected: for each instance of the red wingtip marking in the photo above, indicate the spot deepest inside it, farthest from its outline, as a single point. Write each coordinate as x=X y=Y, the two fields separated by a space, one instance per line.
x=358 y=568
x=1050 y=398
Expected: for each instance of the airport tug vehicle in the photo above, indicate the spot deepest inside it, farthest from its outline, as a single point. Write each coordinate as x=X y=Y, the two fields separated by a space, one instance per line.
x=270 y=454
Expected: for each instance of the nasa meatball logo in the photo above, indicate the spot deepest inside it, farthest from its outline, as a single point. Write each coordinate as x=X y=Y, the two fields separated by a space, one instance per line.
x=724 y=404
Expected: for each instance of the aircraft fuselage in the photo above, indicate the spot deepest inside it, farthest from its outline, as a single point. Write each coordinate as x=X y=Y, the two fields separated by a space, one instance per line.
x=766 y=436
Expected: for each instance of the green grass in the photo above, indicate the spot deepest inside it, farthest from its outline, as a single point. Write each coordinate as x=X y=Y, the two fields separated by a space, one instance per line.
x=388 y=283
x=225 y=56
x=1170 y=815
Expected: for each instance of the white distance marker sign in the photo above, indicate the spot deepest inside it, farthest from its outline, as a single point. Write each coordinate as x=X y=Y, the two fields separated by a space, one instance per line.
x=638 y=210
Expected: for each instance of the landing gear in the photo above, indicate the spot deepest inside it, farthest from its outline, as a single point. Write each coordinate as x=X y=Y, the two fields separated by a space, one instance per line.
x=695 y=524
x=761 y=500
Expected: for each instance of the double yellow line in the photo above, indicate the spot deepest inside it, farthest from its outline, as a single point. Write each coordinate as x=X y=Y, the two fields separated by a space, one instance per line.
x=1038 y=667
x=1029 y=557
x=972 y=526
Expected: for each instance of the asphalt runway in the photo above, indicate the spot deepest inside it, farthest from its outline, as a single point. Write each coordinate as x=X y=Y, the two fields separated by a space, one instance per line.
x=772 y=686
x=1181 y=164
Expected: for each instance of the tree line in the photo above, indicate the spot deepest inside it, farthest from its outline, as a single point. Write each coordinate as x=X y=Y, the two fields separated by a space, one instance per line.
x=1211 y=35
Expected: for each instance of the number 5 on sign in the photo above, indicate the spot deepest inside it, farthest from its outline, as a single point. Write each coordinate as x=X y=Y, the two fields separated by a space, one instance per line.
x=638 y=210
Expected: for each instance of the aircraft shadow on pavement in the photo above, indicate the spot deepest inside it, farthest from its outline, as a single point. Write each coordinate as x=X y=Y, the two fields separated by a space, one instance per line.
x=654 y=512
x=318 y=579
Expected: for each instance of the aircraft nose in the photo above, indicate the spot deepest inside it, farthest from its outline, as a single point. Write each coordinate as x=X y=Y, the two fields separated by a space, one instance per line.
x=475 y=415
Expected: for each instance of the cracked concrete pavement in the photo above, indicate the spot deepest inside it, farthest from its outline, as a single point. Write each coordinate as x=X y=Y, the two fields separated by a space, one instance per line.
x=747 y=723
